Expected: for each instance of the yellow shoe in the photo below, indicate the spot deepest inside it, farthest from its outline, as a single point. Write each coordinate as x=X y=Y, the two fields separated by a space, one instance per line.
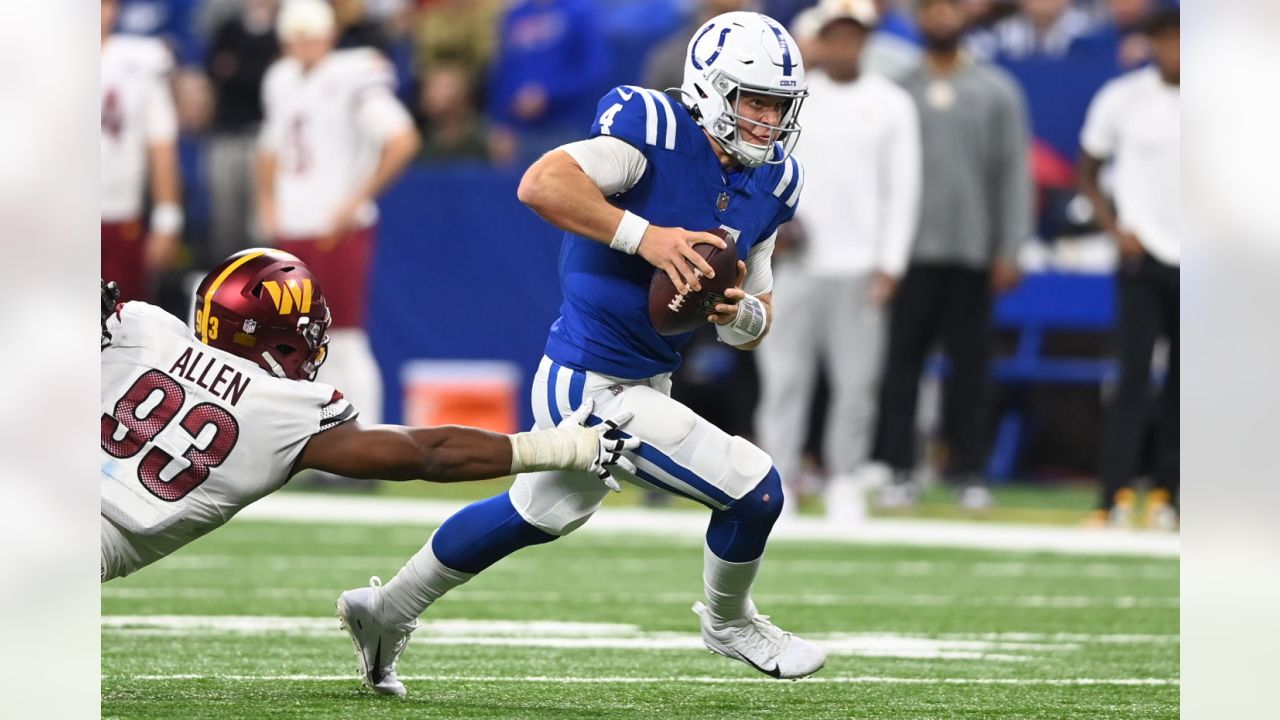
x=1121 y=515
x=1158 y=511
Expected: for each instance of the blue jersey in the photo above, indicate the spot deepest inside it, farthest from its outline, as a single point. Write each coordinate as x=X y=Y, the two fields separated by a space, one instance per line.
x=604 y=320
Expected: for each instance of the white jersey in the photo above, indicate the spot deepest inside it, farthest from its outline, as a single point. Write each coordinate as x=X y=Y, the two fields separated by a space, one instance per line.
x=1136 y=120
x=326 y=127
x=137 y=111
x=861 y=152
x=191 y=435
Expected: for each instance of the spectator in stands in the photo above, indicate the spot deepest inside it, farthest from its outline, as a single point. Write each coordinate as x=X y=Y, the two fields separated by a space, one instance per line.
x=460 y=32
x=665 y=66
x=1134 y=122
x=356 y=28
x=547 y=75
x=242 y=48
x=172 y=21
x=892 y=50
x=451 y=129
x=975 y=214
x=861 y=154
x=1044 y=28
x=1120 y=37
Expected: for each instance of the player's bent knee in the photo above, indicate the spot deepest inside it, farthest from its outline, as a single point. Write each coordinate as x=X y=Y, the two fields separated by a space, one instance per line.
x=763 y=504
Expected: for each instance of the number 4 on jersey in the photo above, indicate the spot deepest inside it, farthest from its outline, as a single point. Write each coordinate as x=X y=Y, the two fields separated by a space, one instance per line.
x=606 y=118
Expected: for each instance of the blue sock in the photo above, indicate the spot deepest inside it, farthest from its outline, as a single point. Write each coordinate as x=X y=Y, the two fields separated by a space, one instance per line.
x=483 y=533
x=738 y=534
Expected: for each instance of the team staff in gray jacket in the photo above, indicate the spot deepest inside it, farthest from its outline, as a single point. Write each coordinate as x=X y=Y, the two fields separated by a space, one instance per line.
x=975 y=214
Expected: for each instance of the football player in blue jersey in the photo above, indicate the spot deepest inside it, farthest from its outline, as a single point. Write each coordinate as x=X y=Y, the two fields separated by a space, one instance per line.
x=634 y=197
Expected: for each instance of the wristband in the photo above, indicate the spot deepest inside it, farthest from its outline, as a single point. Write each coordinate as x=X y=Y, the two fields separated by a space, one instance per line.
x=629 y=233
x=748 y=325
x=166 y=219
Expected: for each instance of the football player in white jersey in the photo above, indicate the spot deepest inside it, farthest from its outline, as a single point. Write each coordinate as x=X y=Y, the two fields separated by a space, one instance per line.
x=334 y=137
x=196 y=426
x=138 y=141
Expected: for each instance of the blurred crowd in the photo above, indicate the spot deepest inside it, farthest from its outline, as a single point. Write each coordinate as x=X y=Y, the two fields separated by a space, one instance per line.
x=994 y=95
x=501 y=82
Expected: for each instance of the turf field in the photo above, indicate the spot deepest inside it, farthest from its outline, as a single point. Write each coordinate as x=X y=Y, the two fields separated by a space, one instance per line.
x=240 y=625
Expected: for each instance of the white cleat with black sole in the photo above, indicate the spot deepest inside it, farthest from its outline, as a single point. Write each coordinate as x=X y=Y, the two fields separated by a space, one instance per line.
x=378 y=646
x=762 y=645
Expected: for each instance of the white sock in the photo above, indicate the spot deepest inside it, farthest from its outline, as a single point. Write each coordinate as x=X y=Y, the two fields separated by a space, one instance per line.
x=421 y=581
x=728 y=587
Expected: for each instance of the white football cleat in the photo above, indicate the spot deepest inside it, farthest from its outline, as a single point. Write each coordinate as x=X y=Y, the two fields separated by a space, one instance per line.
x=378 y=645
x=762 y=645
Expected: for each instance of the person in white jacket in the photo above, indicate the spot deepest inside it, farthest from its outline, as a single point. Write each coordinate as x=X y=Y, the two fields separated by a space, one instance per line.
x=861 y=152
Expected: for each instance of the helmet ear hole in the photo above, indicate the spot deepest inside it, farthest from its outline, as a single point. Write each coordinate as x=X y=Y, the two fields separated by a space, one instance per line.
x=286 y=350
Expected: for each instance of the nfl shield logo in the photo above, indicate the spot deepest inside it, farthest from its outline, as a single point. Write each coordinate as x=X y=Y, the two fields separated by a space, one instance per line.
x=722 y=202
x=250 y=326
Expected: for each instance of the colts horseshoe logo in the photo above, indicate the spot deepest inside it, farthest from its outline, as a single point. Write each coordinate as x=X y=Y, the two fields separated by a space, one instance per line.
x=693 y=49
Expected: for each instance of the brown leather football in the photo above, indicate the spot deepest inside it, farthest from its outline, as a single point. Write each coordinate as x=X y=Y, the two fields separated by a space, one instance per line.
x=673 y=313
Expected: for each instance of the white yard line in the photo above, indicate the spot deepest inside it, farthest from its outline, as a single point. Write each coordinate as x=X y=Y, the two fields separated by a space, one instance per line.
x=1066 y=568
x=766 y=599
x=301 y=507
x=698 y=680
x=1008 y=648
x=555 y=628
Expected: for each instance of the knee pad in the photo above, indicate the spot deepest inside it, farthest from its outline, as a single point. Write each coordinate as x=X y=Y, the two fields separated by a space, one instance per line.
x=557 y=503
x=763 y=503
x=738 y=534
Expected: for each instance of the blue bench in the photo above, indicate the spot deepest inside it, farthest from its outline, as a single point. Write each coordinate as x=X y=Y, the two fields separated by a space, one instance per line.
x=1043 y=303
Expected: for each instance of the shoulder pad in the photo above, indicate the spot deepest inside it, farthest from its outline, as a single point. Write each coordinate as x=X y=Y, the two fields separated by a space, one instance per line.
x=640 y=116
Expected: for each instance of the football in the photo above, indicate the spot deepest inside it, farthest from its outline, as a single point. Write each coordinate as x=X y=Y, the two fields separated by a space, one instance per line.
x=672 y=312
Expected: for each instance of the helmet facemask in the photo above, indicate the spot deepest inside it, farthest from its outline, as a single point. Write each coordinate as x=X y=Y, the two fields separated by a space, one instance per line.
x=727 y=129
x=317 y=337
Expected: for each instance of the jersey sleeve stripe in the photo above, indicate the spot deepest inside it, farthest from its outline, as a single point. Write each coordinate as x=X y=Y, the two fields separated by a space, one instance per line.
x=650 y=115
x=339 y=416
x=787 y=171
x=670 y=141
x=794 y=197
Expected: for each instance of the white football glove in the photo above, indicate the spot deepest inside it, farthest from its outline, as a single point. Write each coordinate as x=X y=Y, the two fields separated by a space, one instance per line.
x=608 y=451
x=573 y=446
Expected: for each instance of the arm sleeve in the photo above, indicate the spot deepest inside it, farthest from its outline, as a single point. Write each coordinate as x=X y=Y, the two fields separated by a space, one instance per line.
x=161 y=116
x=759 y=278
x=380 y=115
x=901 y=200
x=614 y=165
x=1012 y=207
x=1098 y=137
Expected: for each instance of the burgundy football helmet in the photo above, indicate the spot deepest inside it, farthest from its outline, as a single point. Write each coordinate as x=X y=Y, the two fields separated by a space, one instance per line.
x=266 y=306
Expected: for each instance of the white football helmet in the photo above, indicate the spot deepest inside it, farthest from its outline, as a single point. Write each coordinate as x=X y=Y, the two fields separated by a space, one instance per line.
x=744 y=51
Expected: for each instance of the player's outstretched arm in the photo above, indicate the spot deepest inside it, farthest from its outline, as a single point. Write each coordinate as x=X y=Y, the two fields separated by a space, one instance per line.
x=453 y=453
x=561 y=192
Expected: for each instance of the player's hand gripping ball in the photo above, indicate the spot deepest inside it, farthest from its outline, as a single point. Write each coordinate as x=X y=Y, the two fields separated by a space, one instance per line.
x=673 y=312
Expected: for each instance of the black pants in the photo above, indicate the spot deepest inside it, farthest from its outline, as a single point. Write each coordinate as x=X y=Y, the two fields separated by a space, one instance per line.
x=1147 y=297
x=951 y=303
